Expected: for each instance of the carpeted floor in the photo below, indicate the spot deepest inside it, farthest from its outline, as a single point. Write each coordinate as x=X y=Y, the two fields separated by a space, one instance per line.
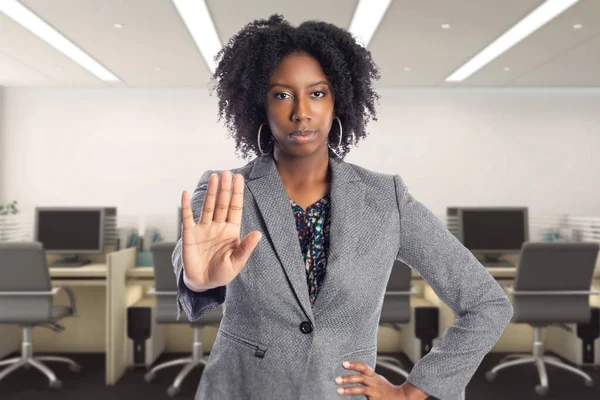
x=516 y=383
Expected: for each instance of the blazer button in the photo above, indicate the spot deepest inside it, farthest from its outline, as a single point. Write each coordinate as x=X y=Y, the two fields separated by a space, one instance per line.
x=306 y=327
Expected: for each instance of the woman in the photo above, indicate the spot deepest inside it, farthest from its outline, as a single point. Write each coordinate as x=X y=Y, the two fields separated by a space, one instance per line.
x=302 y=290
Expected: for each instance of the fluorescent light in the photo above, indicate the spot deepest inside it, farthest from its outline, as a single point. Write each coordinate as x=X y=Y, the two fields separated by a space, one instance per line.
x=446 y=26
x=38 y=27
x=200 y=25
x=528 y=25
x=366 y=19
x=577 y=26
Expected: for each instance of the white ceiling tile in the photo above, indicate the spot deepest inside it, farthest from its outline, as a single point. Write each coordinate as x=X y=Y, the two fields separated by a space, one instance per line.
x=153 y=35
x=410 y=35
x=228 y=23
x=544 y=49
x=14 y=73
x=578 y=67
x=36 y=54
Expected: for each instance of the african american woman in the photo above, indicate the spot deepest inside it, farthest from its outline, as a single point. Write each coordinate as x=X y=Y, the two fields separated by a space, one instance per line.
x=298 y=245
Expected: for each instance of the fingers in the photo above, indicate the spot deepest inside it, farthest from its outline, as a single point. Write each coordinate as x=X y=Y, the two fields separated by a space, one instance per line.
x=360 y=367
x=237 y=201
x=354 y=390
x=186 y=210
x=346 y=379
x=223 y=197
x=209 y=200
x=187 y=218
x=240 y=256
x=219 y=203
x=366 y=373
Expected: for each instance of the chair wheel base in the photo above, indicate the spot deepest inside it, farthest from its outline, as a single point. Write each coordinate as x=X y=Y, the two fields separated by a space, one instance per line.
x=172 y=391
x=589 y=383
x=149 y=377
x=541 y=390
x=490 y=376
x=56 y=384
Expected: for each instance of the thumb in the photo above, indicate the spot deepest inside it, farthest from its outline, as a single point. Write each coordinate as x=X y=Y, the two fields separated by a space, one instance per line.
x=240 y=256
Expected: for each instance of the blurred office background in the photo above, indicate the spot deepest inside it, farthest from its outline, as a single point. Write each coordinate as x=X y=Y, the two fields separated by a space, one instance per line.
x=133 y=131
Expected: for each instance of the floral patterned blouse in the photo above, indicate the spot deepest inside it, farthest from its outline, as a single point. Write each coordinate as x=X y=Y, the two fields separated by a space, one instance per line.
x=313 y=233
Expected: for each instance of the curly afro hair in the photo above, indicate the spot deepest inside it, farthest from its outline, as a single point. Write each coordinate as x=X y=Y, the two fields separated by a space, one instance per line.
x=247 y=61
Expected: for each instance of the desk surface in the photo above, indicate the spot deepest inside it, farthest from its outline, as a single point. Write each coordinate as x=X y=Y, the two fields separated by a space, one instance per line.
x=496 y=272
x=141 y=273
x=86 y=271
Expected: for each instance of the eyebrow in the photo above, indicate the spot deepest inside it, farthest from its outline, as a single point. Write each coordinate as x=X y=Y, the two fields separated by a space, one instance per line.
x=291 y=87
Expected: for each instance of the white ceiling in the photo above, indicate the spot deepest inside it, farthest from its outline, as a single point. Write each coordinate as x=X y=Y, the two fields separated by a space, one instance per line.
x=410 y=35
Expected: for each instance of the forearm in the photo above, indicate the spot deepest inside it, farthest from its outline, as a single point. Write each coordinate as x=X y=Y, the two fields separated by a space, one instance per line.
x=462 y=283
x=452 y=362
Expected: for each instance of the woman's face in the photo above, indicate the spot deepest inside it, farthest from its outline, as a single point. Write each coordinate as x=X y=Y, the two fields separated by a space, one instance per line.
x=299 y=99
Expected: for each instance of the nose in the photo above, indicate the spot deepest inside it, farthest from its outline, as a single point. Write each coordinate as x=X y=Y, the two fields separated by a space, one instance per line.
x=301 y=110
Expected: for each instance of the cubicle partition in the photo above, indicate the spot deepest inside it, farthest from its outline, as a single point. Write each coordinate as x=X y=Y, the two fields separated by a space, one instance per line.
x=117 y=300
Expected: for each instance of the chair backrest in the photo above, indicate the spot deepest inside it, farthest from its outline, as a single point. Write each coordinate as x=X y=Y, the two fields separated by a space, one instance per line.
x=23 y=268
x=396 y=307
x=556 y=266
x=164 y=281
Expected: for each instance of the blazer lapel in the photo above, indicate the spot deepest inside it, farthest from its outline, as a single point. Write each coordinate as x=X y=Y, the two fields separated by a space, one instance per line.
x=347 y=204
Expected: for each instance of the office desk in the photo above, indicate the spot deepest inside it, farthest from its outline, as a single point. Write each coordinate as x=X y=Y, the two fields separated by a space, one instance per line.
x=96 y=271
x=177 y=336
x=104 y=291
x=142 y=274
x=516 y=337
x=86 y=333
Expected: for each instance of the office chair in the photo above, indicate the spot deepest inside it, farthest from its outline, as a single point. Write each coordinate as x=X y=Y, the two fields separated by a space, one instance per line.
x=552 y=286
x=26 y=300
x=396 y=310
x=165 y=291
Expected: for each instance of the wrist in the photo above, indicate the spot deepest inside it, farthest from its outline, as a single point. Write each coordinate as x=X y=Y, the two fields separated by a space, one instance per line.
x=411 y=392
x=190 y=285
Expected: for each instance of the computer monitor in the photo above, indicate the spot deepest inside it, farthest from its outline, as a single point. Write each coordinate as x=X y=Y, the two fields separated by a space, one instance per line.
x=493 y=231
x=70 y=231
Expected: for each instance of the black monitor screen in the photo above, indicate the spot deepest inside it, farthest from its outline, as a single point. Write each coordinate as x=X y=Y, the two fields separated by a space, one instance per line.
x=494 y=229
x=70 y=231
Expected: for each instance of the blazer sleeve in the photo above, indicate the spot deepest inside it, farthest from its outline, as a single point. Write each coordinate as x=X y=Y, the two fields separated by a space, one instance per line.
x=195 y=304
x=482 y=308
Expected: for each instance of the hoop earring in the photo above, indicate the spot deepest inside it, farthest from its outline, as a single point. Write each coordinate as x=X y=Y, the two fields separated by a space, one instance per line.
x=340 y=140
x=259 y=146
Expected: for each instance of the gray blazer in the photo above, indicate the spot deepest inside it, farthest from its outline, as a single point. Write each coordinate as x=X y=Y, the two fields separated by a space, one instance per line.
x=273 y=344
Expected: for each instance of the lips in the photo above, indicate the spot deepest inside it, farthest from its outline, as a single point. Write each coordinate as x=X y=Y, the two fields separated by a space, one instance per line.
x=301 y=133
x=302 y=136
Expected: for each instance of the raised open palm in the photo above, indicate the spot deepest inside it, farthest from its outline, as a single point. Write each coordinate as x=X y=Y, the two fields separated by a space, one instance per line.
x=213 y=254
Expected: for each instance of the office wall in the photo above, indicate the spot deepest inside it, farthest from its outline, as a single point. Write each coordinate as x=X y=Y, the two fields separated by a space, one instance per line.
x=139 y=149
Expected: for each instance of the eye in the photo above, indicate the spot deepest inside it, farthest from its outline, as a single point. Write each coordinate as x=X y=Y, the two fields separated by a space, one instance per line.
x=319 y=91
x=279 y=98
